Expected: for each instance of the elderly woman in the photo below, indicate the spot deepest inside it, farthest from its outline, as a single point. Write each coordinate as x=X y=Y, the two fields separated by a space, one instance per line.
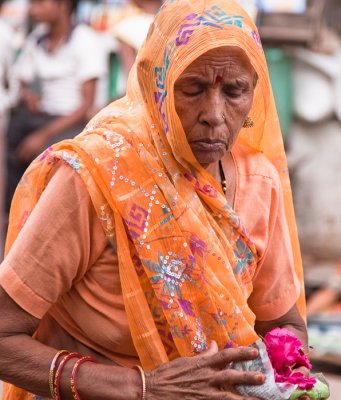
x=163 y=236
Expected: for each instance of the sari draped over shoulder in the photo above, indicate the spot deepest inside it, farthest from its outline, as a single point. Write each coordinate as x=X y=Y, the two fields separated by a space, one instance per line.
x=186 y=261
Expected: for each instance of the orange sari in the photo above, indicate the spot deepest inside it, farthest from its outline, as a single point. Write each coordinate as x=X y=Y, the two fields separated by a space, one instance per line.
x=186 y=262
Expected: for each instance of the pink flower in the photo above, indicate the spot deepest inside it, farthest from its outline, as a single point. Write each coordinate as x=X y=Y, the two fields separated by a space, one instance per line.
x=297 y=378
x=285 y=349
x=286 y=353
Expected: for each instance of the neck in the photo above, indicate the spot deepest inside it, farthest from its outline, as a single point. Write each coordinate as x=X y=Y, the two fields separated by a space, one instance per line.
x=225 y=175
x=60 y=28
x=220 y=169
x=214 y=165
x=213 y=170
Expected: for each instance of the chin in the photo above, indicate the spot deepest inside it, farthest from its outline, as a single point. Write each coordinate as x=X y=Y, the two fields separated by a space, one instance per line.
x=206 y=158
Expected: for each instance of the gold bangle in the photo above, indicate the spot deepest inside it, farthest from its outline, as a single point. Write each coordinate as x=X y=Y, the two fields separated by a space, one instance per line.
x=143 y=378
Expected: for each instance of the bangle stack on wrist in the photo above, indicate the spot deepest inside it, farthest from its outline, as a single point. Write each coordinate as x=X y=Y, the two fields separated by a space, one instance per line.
x=56 y=370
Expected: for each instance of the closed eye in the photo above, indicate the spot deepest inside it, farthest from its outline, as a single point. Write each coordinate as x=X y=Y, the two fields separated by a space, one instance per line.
x=235 y=91
x=234 y=94
x=192 y=93
x=190 y=88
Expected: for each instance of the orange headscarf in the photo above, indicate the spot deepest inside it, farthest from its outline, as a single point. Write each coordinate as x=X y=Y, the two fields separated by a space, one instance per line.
x=186 y=262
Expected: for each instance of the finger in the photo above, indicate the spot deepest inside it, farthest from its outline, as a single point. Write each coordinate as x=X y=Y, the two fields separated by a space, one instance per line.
x=213 y=349
x=224 y=357
x=231 y=377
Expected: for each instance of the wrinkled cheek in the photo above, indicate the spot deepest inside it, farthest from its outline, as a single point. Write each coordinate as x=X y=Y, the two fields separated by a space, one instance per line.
x=186 y=122
x=232 y=136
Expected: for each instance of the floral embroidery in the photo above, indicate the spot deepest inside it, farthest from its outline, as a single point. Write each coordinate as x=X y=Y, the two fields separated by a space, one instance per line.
x=169 y=273
x=197 y=246
x=187 y=307
x=206 y=189
x=244 y=256
x=74 y=162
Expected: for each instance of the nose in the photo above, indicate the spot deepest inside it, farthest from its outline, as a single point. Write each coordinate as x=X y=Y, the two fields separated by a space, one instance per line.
x=213 y=113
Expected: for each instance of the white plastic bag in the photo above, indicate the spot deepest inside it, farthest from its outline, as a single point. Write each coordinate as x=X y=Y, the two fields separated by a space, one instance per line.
x=270 y=390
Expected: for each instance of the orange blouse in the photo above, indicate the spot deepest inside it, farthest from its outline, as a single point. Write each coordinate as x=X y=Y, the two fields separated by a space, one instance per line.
x=62 y=264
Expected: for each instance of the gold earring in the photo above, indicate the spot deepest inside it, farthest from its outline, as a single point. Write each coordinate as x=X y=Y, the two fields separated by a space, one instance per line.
x=248 y=123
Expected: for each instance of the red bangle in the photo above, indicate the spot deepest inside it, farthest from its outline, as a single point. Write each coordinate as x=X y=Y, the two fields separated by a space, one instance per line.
x=75 y=370
x=56 y=388
x=53 y=369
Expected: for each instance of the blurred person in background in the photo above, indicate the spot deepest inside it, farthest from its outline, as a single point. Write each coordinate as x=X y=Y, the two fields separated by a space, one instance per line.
x=58 y=71
x=132 y=29
x=7 y=91
x=7 y=98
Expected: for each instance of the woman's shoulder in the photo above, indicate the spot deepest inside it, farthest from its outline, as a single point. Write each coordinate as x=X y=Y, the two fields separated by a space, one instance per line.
x=252 y=162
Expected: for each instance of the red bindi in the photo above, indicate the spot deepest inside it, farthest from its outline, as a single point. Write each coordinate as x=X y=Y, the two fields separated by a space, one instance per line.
x=218 y=79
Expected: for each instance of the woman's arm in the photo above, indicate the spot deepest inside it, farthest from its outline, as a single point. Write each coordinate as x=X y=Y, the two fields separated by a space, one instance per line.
x=25 y=362
x=291 y=320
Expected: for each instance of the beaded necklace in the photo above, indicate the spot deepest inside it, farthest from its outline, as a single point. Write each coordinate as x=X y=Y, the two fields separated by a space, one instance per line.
x=222 y=177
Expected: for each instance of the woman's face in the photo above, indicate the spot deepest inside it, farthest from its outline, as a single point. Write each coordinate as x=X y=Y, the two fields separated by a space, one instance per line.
x=213 y=97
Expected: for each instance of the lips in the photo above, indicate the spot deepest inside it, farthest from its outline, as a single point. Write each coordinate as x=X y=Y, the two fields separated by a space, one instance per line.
x=208 y=144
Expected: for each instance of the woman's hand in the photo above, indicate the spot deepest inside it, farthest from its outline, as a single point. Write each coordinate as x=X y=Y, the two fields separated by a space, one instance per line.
x=206 y=376
x=31 y=100
x=32 y=145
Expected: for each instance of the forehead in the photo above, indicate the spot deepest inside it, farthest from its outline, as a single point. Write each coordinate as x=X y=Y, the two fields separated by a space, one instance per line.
x=222 y=62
